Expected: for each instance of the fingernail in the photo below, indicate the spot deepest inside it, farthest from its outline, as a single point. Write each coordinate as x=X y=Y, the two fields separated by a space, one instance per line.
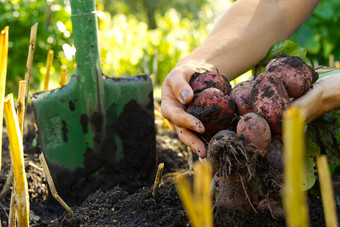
x=184 y=96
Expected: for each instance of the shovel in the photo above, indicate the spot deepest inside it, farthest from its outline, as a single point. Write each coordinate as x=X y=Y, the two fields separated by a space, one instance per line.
x=95 y=123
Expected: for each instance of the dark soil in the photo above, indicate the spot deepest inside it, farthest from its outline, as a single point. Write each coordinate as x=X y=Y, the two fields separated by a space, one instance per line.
x=122 y=206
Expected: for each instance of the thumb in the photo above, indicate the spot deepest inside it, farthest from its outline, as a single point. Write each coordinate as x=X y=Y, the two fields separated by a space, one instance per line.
x=181 y=88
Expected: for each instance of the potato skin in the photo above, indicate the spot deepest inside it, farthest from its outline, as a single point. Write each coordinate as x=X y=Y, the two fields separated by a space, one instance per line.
x=295 y=74
x=207 y=79
x=270 y=100
x=229 y=194
x=217 y=145
x=215 y=109
x=241 y=95
x=275 y=154
x=255 y=129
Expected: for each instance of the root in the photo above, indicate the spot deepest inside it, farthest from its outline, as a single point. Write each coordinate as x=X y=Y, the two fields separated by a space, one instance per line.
x=245 y=192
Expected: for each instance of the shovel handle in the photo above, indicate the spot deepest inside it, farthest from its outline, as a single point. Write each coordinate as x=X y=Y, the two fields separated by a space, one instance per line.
x=88 y=71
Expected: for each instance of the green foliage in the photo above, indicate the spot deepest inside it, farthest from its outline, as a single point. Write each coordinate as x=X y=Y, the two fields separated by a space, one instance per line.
x=129 y=47
x=284 y=46
x=129 y=44
x=320 y=34
x=287 y=47
x=148 y=11
x=52 y=17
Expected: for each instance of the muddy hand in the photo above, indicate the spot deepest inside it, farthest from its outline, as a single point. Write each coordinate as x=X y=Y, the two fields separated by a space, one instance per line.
x=176 y=92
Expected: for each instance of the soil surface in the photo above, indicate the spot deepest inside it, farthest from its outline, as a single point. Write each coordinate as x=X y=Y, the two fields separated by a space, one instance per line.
x=127 y=203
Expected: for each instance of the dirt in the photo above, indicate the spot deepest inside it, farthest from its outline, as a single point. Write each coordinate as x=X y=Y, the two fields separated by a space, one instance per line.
x=125 y=204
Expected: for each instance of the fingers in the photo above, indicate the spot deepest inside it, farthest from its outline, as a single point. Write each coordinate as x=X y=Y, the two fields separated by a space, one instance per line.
x=176 y=92
x=191 y=140
x=174 y=97
x=178 y=81
x=176 y=113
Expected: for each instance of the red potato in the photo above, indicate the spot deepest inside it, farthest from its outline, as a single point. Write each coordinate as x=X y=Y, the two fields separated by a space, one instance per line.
x=241 y=95
x=255 y=129
x=215 y=109
x=270 y=100
x=229 y=194
x=274 y=156
x=295 y=74
x=207 y=79
x=217 y=146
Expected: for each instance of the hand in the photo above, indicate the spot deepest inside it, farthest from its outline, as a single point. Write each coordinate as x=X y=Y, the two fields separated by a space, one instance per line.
x=176 y=92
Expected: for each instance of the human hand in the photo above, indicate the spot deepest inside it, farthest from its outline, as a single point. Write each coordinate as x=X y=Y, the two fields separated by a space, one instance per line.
x=176 y=92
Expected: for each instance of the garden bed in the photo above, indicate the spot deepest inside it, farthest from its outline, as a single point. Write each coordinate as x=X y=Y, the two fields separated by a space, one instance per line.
x=127 y=204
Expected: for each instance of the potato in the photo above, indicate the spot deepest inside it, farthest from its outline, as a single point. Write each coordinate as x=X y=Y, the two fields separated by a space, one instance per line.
x=230 y=195
x=270 y=100
x=241 y=95
x=215 y=109
x=295 y=74
x=274 y=156
x=217 y=146
x=207 y=79
x=255 y=129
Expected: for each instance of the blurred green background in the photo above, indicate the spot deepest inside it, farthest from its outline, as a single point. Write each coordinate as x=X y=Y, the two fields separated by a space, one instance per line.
x=138 y=36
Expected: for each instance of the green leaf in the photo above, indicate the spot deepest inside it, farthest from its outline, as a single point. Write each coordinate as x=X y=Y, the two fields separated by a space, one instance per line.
x=312 y=149
x=288 y=47
x=326 y=71
x=324 y=132
x=310 y=173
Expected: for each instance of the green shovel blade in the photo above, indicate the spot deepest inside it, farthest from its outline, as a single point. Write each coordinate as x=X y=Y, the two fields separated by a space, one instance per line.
x=95 y=121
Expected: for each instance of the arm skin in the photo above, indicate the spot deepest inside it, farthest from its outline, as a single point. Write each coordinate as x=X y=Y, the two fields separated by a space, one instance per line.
x=239 y=40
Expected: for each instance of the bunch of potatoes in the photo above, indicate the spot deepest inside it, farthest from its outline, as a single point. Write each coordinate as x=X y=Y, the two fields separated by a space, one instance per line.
x=252 y=110
x=255 y=106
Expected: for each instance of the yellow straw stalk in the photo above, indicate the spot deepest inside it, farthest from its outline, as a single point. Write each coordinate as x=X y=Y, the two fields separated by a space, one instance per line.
x=3 y=72
x=327 y=192
x=294 y=195
x=21 y=198
x=49 y=62
x=198 y=203
x=63 y=73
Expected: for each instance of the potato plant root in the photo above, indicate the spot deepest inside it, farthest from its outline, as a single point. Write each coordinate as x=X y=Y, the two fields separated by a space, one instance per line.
x=242 y=173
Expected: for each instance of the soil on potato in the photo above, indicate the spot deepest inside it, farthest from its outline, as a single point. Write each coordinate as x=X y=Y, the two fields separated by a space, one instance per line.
x=120 y=206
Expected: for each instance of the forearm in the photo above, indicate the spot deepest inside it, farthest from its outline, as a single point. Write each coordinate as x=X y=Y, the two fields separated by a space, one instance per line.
x=246 y=31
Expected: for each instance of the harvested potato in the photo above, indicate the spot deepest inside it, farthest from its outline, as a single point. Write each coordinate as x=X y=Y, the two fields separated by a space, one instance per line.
x=241 y=95
x=229 y=194
x=207 y=79
x=255 y=129
x=217 y=147
x=215 y=109
x=270 y=100
x=295 y=74
x=274 y=156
